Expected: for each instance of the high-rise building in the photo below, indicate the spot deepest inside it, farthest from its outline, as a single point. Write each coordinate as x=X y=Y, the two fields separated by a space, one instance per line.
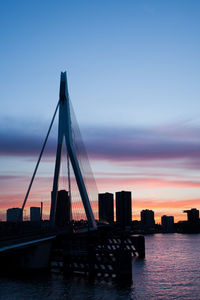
x=35 y=214
x=147 y=218
x=167 y=223
x=14 y=215
x=192 y=215
x=123 y=208
x=63 y=209
x=106 y=208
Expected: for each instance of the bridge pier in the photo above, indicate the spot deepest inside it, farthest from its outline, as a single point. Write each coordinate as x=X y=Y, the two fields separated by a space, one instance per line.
x=97 y=254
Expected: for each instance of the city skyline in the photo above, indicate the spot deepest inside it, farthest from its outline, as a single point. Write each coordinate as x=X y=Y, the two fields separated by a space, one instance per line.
x=109 y=207
x=135 y=94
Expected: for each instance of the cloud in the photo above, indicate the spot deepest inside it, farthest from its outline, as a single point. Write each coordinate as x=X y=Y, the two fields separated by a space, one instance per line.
x=154 y=183
x=14 y=187
x=24 y=138
x=175 y=142
x=143 y=144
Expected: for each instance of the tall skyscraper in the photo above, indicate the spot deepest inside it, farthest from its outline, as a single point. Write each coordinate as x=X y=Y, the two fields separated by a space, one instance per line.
x=106 y=208
x=167 y=223
x=35 y=214
x=14 y=215
x=147 y=218
x=123 y=208
x=63 y=209
x=192 y=215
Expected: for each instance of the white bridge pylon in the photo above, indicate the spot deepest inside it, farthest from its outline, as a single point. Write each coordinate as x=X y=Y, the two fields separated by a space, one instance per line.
x=65 y=133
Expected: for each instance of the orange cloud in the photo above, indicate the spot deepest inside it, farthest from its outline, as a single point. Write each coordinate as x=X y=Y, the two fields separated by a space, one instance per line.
x=13 y=190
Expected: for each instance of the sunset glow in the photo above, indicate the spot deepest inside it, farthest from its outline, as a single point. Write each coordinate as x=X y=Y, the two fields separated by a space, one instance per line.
x=133 y=76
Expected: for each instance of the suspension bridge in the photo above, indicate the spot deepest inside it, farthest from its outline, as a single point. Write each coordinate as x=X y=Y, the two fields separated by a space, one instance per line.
x=84 y=248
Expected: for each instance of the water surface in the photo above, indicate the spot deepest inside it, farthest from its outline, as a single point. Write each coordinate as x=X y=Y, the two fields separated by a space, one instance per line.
x=171 y=270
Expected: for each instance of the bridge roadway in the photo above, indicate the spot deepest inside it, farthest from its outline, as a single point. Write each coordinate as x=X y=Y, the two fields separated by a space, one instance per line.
x=17 y=243
x=26 y=252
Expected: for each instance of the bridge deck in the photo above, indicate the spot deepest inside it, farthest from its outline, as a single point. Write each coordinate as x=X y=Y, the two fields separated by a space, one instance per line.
x=17 y=244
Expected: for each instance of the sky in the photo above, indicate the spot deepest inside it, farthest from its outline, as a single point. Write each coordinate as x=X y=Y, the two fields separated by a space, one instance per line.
x=133 y=73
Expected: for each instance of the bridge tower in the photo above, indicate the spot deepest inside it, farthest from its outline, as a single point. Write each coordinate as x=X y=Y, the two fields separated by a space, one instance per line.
x=65 y=133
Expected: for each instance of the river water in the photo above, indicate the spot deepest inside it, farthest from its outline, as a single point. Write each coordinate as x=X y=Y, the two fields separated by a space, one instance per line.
x=171 y=270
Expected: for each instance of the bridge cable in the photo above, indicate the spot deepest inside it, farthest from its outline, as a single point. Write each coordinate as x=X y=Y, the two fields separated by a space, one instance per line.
x=40 y=156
